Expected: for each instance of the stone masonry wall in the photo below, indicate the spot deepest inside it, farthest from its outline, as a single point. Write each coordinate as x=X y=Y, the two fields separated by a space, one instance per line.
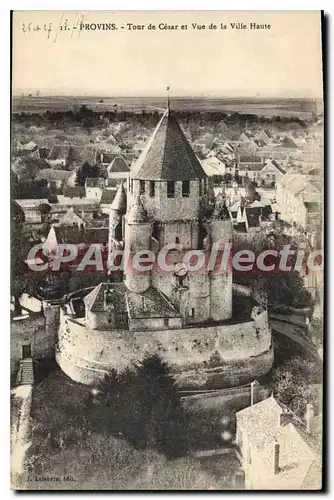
x=183 y=349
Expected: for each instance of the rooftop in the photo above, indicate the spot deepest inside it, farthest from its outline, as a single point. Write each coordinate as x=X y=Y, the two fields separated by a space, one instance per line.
x=149 y=304
x=168 y=155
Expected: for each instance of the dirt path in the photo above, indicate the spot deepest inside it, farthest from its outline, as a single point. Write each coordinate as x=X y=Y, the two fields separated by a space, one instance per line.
x=21 y=405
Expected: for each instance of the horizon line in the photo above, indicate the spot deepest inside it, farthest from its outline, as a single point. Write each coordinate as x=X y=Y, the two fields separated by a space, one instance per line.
x=160 y=96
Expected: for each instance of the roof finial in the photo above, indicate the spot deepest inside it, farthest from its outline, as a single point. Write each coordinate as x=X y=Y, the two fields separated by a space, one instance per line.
x=168 y=98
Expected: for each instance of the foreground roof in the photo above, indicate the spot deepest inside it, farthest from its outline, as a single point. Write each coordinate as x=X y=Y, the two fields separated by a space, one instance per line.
x=168 y=155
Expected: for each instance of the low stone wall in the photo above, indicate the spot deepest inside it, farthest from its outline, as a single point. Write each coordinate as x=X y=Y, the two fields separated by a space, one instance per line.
x=38 y=330
x=241 y=351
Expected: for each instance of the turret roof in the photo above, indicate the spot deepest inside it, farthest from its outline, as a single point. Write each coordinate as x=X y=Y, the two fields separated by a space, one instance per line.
x=137 y=213
x=119 y=202
x=168 y=155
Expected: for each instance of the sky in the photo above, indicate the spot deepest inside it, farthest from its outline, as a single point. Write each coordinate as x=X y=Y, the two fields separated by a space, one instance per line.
x=284 y=61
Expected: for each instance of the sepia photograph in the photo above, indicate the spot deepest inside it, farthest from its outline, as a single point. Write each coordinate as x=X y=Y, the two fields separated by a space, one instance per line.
x=167 y=235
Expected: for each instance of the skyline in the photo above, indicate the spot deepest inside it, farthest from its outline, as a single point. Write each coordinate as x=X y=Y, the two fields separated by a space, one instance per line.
x=283 y=62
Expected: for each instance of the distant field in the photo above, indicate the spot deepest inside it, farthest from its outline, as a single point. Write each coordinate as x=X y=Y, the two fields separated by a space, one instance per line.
x=301 y=108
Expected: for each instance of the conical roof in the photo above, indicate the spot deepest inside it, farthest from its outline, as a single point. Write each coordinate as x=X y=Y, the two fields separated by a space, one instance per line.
x=137 y=213
x=168 y=156
x=119 y=202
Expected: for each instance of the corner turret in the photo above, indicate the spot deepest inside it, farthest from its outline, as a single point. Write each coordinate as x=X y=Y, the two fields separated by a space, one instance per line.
x=137 y=241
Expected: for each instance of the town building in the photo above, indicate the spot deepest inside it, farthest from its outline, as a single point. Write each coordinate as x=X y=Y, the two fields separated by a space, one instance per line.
x=298 y=199
x=276 y=450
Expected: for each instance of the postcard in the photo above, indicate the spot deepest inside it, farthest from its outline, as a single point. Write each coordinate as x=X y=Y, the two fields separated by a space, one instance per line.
x=167 y=172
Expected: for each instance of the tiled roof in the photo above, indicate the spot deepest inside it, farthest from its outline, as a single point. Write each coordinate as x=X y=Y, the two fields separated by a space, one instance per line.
x=107 y=196
x=118 y=165
x=73 y=153
x=59 y=151
x=29 y=146
x=150 y=304
x=40 y=163
x=94 y=301
x=96 y=235
x=69 y=234
x=250 y=159
x=277 y=165
x=51 y=174
x=74 y=192
x=168 y=155
x=32 y=203
x=252 y=167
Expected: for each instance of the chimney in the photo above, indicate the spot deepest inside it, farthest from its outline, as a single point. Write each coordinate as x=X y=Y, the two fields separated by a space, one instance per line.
x=276 y=458
x=309 y=417
x=252 y=393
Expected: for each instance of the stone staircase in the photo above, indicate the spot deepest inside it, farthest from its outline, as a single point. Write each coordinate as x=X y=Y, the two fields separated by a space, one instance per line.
x=26 y=371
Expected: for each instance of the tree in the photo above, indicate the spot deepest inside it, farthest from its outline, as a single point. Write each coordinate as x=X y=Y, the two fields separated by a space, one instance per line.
x=293 y=384
x=143 y=403
x=250 y=189
x=227 y=177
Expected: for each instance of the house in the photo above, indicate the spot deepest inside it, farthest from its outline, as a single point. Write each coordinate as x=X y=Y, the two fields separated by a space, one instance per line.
x=94 y=188
x=55 y=178
x=59 y=155
x=244 y=137
x=251 y=217
x=251 y=170
x=57 y=235
x=69 y=156
x=118 y=170
x=270 y=173
x=246 y=160
x=77 y=228
x=214 y=168
x=35 y=210
x=298 y=198
x=275 y=449
x=263 y=136
x=29 y=149
x=21 y=171
x=106 y=157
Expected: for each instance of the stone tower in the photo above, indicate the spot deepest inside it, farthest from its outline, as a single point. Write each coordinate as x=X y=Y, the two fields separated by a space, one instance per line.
x=221 y=229
x=168 y=186
x=137 y=239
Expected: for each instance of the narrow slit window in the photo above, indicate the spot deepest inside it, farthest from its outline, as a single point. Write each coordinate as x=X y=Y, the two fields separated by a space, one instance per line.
x=180 y=280
x=152 y=189
x=185 y=189
x=141 y=187
x=192 y=312
x=170 y=189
